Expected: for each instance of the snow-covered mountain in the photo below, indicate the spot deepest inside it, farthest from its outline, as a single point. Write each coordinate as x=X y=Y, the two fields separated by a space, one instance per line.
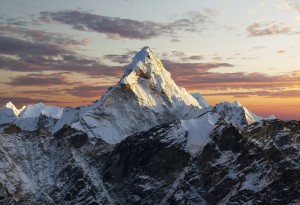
x=238 y=114
x=30 y=117
x=147 y=141
x=145 y=96
x=37 y=109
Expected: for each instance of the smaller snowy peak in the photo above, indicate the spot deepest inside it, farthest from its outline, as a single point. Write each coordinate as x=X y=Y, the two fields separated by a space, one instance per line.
x=8 y=113
x=12 y=107
x=37 y=109
x=237 y=113
x=236 y=104
x=202 y=102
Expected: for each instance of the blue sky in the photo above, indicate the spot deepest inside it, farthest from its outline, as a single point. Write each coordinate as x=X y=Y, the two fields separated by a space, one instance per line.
x=225 y=49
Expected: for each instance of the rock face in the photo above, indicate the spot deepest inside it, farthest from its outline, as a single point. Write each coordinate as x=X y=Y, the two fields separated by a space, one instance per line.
x=37 y=168
x=259 y=165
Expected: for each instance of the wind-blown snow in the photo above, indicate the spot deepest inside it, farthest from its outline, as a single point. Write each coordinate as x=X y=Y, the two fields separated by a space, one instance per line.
x=199 y=130
x=202 y=102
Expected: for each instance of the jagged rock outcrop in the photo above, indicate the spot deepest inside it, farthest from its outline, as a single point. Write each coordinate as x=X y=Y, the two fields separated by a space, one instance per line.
x=259 y=165
x=233 y=168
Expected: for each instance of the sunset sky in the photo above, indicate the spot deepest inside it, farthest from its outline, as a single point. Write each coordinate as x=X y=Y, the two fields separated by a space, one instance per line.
x=68 y=52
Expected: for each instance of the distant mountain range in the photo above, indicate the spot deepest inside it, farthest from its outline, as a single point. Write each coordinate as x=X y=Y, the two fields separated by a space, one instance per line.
x=147 y=141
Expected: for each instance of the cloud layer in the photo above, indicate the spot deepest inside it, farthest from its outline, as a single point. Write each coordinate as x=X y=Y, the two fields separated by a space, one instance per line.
x=271 y=28
x=115 y=27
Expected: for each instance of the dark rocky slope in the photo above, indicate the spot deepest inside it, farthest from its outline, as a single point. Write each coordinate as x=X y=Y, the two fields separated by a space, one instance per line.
x=256 y=165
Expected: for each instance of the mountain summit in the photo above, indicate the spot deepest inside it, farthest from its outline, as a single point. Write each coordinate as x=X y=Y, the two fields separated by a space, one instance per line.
x=145 y=96
x=8 y=114
x=153 y=85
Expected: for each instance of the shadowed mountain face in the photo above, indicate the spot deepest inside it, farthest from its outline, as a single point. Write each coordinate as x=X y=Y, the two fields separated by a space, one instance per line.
x=259 y=165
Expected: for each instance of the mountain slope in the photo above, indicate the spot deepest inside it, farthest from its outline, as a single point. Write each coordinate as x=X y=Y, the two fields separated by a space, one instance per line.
x=259 y=165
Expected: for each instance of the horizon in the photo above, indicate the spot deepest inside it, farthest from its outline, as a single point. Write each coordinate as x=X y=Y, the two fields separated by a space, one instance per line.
x=65 y=53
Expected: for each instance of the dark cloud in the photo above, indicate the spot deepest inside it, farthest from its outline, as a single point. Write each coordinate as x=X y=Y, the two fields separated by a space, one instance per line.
x=239 y=80
x=88 y=67
x=281 y=51
x=37 y=51
x=260 y=93
x=195 y=57
x=201 y=76
x=26 y=56
x=40 y=80
x=181 y=56
x=14 y=46
x=121 y=59
x=87 y=91
x=272 y=28
x=39 y=36
x=192 y=68
x=115 y=27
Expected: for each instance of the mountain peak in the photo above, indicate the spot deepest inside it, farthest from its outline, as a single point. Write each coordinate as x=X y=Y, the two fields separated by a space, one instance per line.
x=143 y=64
x=145 y=55
x=10 y=105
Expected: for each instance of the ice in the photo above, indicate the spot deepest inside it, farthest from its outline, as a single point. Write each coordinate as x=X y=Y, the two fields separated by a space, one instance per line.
x=199 y=130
